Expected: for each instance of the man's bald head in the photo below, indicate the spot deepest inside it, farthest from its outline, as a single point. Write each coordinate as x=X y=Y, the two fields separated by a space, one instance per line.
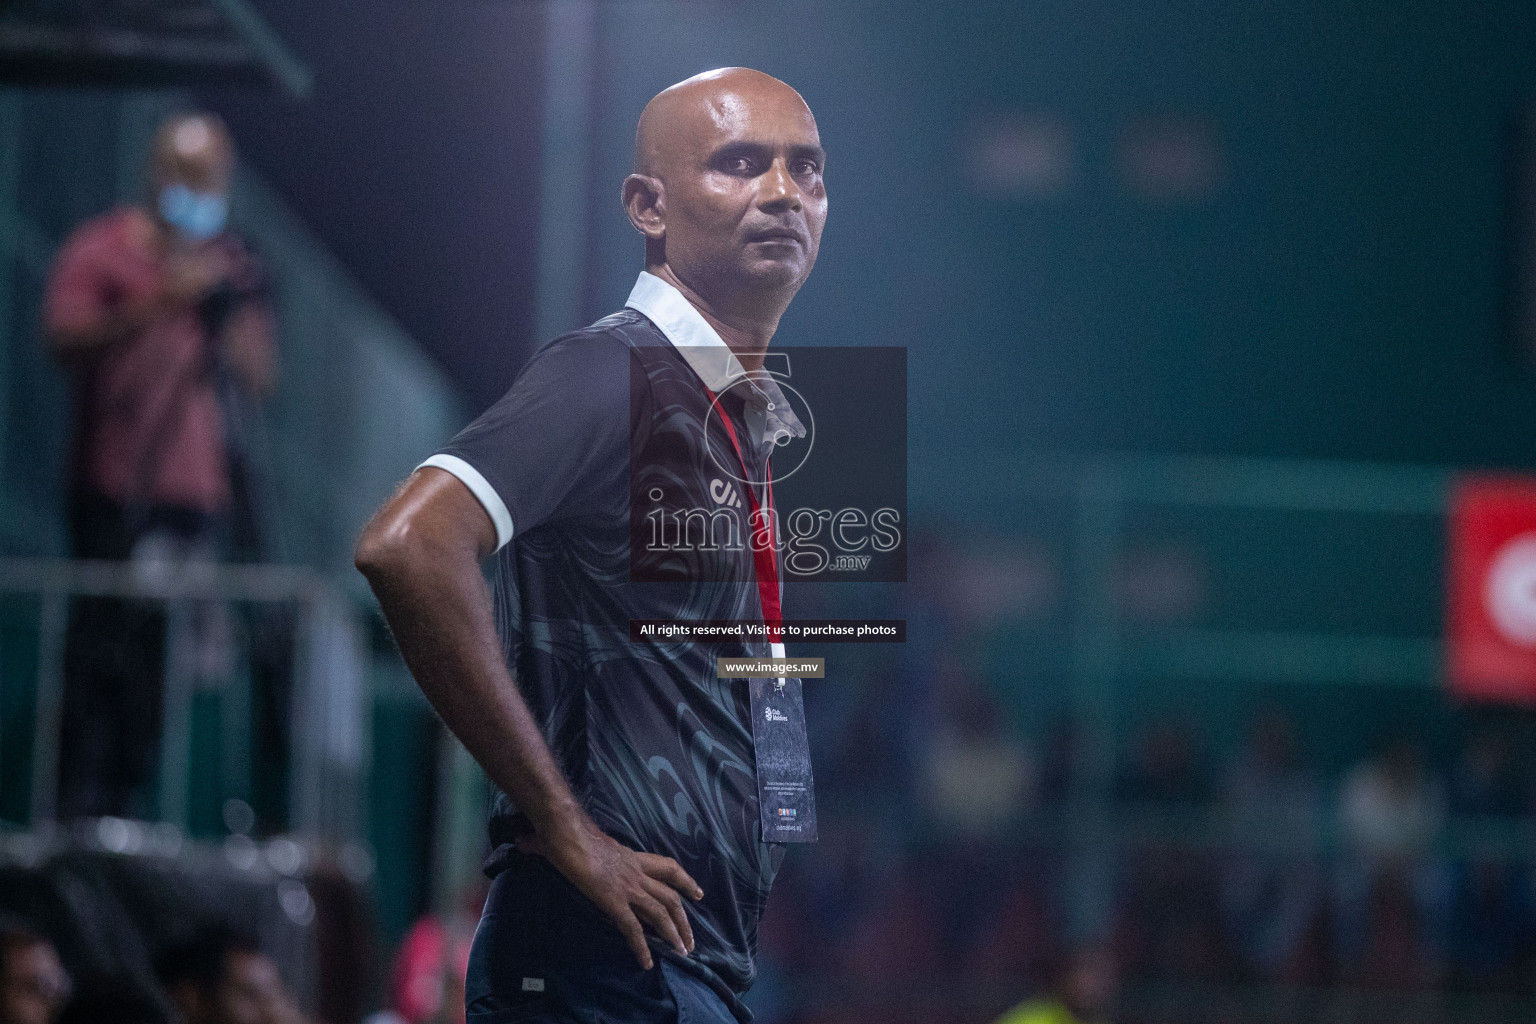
x=707 y=101
x=728 y=189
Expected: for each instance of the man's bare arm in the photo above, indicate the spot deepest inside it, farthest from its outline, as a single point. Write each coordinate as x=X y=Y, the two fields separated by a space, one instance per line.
x=421 y=554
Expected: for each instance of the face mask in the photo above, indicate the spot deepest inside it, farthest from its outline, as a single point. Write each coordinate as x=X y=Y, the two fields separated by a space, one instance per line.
x=197 y=215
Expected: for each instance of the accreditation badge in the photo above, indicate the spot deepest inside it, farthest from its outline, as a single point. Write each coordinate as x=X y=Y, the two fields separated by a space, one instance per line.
x=785 y=790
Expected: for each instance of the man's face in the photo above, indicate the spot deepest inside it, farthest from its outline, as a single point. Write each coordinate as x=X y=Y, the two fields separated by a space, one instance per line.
x=33 y=985
x=744 y=198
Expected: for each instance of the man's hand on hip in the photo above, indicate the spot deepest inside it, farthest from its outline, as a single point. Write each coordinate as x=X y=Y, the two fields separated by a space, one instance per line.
x=629 y=886
x=421 y=555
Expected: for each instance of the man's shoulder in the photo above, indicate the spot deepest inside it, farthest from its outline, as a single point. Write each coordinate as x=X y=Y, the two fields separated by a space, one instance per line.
x=627 y=328
x=591 y=368
x=104 y=234
x=602 y=352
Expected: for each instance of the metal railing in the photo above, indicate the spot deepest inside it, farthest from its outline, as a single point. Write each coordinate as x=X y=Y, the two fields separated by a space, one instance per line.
x=327 y=717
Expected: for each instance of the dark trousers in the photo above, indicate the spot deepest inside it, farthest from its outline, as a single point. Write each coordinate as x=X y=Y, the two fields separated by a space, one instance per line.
x=544 y=954
x=114 y=666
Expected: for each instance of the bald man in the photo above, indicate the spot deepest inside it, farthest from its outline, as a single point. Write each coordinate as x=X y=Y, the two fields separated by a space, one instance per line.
x=634 y=845
x=153 y=307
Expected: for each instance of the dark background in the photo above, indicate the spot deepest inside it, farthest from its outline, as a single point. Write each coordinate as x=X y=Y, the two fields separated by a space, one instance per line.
x=417 y=161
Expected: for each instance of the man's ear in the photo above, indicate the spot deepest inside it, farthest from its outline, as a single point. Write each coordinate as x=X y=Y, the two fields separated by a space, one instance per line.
x=645 y=202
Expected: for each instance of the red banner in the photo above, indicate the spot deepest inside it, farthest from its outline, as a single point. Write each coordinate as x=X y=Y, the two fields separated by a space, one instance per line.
x=1491 y=589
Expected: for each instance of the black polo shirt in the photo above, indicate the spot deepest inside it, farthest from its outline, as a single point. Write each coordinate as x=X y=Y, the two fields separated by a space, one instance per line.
x=657 y=749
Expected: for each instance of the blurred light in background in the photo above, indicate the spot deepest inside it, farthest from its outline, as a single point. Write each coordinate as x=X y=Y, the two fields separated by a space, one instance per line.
x=1028 y=156
x=1175 y=160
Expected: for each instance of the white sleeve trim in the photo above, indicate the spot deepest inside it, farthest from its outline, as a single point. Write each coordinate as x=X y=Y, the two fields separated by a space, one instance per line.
x=481 y=488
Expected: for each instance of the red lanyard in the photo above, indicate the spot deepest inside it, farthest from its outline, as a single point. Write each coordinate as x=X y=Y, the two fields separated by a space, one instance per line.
x=764 y=558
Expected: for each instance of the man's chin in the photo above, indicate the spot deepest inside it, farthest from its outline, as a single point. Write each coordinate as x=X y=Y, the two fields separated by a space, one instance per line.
x=770 y=274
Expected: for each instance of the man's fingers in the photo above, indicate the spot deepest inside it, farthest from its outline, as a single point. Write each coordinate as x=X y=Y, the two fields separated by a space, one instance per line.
x=671 y=872
x=653 y=911
x=634 y=934
x=674 y=904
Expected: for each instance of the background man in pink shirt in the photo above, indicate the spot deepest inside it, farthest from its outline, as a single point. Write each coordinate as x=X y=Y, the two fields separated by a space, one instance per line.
x=154 y=309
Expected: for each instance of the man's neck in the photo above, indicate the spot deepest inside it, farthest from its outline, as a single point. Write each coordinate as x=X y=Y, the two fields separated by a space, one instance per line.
x=746 y=332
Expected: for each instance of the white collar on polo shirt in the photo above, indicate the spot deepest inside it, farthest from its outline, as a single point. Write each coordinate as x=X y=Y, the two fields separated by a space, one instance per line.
x=688 y=331
x=704 y=350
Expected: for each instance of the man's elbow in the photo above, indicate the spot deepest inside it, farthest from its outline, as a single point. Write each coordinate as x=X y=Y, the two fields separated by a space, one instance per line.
x=420 y=532
x=384 y=548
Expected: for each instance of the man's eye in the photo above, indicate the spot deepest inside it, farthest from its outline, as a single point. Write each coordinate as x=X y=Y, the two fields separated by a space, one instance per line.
x=738 y=164
x=806 y=167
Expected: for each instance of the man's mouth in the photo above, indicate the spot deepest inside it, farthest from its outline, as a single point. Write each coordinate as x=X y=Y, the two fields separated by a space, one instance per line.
x=777 y=235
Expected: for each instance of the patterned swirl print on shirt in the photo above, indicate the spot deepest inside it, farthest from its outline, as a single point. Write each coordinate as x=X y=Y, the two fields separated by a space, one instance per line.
x=657 y=748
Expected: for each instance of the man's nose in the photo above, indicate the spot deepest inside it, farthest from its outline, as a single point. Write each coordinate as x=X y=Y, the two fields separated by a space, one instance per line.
x=779 y=189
